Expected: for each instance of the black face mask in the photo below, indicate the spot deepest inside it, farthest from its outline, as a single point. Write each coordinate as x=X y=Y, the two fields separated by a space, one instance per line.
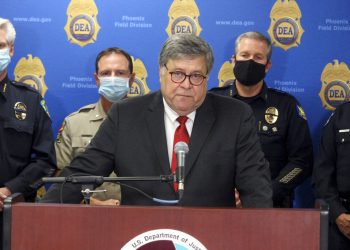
x=249 y=72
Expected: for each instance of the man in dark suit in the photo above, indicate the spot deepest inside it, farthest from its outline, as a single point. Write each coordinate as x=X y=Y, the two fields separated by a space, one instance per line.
x=137 y=139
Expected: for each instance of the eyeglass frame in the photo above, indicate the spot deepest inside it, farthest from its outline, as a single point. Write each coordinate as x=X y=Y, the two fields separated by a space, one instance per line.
x=189 y=76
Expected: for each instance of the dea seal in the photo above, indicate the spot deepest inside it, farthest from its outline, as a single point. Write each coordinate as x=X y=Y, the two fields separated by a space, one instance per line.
x=82 y=26
x=139 y=86
x=183 y=18
x=271 y=115
x=20 y=110
x=285 y=28
x=335 y=88
x=31 y=71
x=226 y=76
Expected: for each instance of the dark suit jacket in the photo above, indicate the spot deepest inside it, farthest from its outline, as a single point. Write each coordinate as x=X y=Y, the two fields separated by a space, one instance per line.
x=224 y=153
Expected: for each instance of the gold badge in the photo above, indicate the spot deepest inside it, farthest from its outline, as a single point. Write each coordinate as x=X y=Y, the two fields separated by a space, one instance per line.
x=31 y=71
x=335 y=88
x=139 y=86
x=82 y=26
x=271 y=115
x=285 y=28
x=183 y=18
x=20 y=110
x=226 y=76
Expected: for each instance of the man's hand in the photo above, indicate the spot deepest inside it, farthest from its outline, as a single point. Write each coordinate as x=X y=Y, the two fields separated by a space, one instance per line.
x=110 y=202
x=4 y=192
x=238 y=199
x=343 y=222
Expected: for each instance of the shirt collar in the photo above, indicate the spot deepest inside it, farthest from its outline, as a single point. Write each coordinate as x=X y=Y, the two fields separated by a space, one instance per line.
x=262 y=94
x=172 y=115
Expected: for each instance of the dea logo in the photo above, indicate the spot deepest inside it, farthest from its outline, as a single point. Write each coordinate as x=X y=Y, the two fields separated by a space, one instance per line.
x=335 y=89
x=164 y=239
x=285 y=28
x=139 y=86
x=226 y=76
x=82 y=26
x=31 y=71
x=183 y=18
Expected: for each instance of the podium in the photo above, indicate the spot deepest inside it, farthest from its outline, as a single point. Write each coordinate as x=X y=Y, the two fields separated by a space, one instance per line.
x=77 y=227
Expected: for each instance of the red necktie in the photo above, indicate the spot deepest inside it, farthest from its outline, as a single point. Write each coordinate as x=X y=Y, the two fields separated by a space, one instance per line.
x=181 y=134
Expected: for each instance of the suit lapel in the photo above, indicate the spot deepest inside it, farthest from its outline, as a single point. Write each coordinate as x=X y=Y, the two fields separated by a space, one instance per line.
x=203 y=123
x=156 y=127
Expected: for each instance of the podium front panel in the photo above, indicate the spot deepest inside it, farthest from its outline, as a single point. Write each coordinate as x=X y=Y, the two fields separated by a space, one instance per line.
x=78 y=227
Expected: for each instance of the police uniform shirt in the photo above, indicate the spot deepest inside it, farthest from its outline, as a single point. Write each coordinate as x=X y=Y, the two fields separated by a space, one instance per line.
x=284 y=135
x=332 y=168
x=75 y=135
x=27 y=142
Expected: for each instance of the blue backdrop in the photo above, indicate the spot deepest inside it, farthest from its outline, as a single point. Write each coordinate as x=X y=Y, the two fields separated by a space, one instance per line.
x=57 y=42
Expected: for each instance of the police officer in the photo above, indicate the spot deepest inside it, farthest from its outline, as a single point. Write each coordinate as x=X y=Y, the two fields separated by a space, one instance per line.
x=332 y=175
x=27 y=143
x=282 y=125
x=114 y=75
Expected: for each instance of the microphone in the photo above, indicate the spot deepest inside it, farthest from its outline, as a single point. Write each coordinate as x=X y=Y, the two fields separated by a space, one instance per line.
x=181 y=149
x=85 y=179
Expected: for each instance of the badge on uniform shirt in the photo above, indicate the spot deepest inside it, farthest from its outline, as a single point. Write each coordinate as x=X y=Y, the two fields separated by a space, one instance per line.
x=271 y=115
x=20 y=110
x=301 y=112
x=59 y=135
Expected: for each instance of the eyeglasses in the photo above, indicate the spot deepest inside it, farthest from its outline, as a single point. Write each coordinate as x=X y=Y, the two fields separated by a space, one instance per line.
x=179 y=77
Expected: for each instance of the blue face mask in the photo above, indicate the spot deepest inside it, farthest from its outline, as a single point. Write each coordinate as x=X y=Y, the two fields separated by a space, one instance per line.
x=113 y=88
x=5 y=59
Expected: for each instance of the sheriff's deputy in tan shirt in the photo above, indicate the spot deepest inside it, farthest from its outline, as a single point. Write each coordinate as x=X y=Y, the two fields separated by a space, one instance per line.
x=114 y=76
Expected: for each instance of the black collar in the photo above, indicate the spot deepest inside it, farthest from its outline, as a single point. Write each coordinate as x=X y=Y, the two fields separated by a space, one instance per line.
x=262 y=94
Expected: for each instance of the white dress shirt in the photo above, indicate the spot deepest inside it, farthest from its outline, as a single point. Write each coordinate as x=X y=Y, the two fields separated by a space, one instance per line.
x=171 y=124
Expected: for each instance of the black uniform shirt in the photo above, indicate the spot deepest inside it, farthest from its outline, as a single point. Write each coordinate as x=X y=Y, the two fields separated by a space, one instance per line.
x=284 y=136
x=26 y=138
x=332 y=168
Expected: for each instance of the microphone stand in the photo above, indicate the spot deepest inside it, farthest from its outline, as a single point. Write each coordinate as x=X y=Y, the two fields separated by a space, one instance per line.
x=88 y=181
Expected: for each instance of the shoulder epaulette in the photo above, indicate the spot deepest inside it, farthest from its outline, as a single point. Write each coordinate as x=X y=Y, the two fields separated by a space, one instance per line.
x=223 y=88
x=24 y=85
x=83 y=109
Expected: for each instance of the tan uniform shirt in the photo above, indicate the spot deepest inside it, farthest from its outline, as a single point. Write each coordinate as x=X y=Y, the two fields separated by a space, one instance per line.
x=75 y=134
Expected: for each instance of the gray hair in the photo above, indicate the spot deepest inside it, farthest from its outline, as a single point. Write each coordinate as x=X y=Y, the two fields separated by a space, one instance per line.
x=7 y=26
x=186 y=45
x=256 y=36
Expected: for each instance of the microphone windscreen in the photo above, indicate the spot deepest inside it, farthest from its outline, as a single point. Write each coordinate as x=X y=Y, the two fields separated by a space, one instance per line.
x=181 y=146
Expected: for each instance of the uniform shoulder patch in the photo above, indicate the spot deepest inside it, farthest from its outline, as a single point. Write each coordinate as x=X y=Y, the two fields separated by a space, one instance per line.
x=87 y=108
x=59 y=134
x=43 y=105
x=301 y=112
